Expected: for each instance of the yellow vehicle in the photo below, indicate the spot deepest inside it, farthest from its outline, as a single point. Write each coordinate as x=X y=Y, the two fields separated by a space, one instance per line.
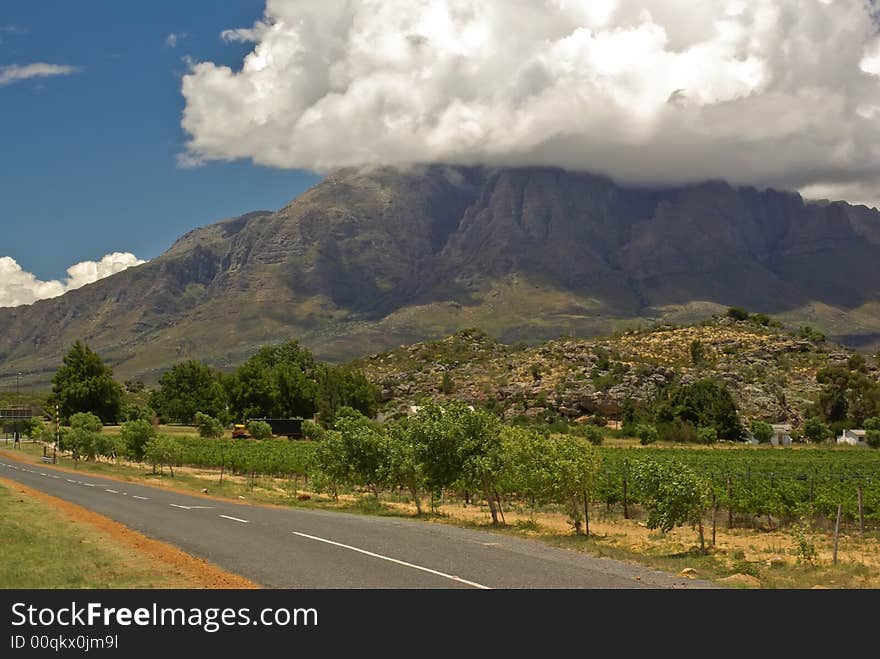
x=239 y=431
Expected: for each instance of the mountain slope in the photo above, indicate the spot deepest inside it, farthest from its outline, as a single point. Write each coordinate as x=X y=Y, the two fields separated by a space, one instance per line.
x=368 y=260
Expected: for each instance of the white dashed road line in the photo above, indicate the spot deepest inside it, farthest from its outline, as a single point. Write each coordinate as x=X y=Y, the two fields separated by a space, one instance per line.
x=394 y=560
x=111 y=491
x=236 y=519
x=135 y=496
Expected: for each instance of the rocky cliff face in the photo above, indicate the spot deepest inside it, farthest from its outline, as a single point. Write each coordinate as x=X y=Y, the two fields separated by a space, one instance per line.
x=368 y=260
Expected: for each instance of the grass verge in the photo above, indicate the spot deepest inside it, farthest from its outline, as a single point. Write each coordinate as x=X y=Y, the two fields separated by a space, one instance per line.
x=49 y=543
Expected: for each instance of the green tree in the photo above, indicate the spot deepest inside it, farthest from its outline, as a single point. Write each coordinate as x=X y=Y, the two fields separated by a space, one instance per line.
x=404 y=467
x=847 y=396
x=135 y=412
x=573 y=467
x=673 y=495
x=761 y=430
x=259 y=429
x=135 y=435
x=208 y=426
x=364 y=449
x=277 y=382
x=480 y=451
x=34 y=428
x=162 y=451
x=816 y=431
x=82 y=437
x=702 y=403
x=446 y=384
x=187 y=388
x=85 y=384
x=342 y=386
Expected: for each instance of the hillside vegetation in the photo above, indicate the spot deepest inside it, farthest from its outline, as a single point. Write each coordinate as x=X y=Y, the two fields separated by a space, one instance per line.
x=771 y=372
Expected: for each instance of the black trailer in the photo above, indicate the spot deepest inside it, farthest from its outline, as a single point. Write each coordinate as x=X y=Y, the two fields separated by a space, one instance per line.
x=290 y=428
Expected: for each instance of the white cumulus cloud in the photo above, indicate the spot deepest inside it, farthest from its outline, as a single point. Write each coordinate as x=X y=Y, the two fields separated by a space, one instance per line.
x=771 y=92
x=14 y=72
x=19 y=287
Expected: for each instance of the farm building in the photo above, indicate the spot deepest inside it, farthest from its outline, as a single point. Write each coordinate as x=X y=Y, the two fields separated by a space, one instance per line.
x=852 y=437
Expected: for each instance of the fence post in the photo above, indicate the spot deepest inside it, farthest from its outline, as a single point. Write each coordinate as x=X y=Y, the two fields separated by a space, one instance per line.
x=861 y=513
x=714 y=515
x=837 y=531
x=608 y=499
x=729 y=505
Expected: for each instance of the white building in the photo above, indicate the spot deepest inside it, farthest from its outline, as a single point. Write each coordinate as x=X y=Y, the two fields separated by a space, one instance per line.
x=781 y=435
x=852 y=437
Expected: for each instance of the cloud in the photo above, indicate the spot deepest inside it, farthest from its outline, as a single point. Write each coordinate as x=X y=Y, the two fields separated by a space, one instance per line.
x=15 y=73
x=19 y=287
x=175 y=38
x=770 y=92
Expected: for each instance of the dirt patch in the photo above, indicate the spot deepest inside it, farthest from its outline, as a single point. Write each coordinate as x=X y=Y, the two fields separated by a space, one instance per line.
x=190 y=568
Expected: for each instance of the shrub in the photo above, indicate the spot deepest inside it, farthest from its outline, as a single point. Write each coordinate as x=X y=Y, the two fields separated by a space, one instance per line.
x=208 y=426
x=737 y=313
x=594 y=435
x=259 y=429
x=646 y=433
x=707 y=435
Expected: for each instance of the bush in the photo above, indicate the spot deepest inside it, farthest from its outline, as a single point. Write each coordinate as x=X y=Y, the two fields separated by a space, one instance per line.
x=594 y=435
x=208 y=426
x=737 y=313
x=698 y=352
x=259 y=429
x=707 y=435
x=647 y=434
x=312 y=430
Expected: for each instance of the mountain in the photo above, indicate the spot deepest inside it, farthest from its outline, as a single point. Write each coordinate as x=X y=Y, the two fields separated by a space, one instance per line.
x=368 y=260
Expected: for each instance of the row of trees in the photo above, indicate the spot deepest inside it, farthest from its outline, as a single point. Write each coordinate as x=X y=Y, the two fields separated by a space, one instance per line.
x=279 y=381
x=452 y=446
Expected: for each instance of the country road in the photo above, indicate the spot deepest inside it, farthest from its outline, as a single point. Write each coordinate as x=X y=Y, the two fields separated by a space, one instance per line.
x=291 y=548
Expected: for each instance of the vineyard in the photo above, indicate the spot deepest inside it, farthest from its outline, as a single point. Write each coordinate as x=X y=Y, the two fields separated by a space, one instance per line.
x=781 y=484
x=747 y=483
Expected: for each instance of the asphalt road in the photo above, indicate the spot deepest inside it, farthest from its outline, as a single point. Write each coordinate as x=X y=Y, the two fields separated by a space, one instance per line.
x=289 y=548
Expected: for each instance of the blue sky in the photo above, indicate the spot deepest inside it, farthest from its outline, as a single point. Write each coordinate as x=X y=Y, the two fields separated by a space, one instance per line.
x=88 y=160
